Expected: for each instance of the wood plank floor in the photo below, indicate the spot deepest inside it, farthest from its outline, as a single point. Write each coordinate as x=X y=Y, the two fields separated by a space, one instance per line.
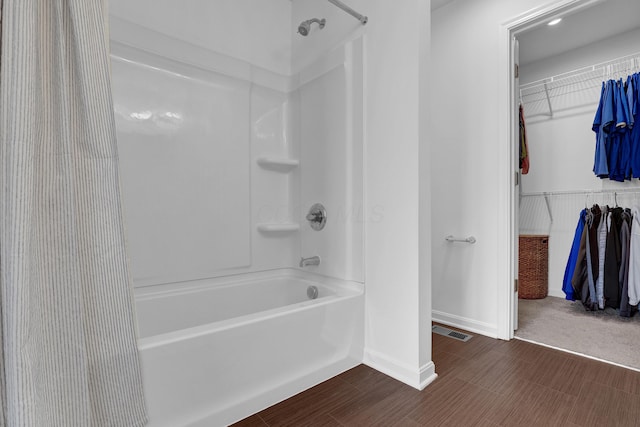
x=482 y=382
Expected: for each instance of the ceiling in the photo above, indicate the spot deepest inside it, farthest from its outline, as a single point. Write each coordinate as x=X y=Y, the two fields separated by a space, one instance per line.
x=606 y=19
x=436 y=3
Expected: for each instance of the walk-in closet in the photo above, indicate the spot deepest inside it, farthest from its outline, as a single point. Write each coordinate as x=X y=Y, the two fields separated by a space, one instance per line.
x=576 y=170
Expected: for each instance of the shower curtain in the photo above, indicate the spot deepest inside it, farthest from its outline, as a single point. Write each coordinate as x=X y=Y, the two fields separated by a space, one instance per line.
x=68 y=338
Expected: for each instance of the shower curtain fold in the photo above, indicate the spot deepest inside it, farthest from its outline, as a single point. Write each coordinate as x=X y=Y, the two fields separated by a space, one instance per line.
x=68 y=336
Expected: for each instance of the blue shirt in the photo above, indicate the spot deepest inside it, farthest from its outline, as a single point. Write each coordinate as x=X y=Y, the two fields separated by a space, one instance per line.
x=573 y=258
x=618 y=162
x=600 y=167
x=635 y=131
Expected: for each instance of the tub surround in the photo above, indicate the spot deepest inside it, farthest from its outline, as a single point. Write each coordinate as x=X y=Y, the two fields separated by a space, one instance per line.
x=205 y=365
x=302 y=134
x=221 y=160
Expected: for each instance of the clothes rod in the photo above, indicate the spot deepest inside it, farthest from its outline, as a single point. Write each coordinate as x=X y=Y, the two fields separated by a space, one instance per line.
x=582 y=192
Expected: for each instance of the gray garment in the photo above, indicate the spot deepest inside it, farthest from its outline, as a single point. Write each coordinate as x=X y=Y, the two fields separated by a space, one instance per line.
x=591 y=300
x=602 y=244
x=69 y=349
x=634 y=258
x=623 y=276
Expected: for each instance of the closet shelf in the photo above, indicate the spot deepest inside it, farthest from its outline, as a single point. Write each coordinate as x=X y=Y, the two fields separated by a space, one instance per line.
x=579 y=88
x=280 y=164
x=278 y=227
x=615 y=68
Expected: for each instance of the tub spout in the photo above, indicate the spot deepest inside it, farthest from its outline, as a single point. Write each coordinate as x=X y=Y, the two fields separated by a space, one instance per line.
x=314 y=260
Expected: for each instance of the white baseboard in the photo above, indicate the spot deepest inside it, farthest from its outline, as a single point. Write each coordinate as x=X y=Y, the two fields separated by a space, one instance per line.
x=465 y=323
x=556 y=293
x=418 y=379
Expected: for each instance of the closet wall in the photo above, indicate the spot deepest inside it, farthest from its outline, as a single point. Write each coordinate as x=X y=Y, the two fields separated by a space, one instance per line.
x=562 y=152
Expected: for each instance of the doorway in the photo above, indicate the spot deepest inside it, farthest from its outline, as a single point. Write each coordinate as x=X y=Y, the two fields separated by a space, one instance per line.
x=551 y=202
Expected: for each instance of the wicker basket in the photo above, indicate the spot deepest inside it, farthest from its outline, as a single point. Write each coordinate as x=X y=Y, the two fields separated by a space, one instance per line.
x=533 y=267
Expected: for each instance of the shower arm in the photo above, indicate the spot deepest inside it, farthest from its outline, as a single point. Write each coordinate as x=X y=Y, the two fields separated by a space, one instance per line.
x=363 y=19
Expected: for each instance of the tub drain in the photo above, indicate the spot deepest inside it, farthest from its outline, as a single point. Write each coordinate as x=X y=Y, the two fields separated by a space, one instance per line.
x=312 y=292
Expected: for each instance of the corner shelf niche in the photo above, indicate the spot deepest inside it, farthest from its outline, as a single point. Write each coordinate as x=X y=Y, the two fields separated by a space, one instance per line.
x=278 y=227
x=278 y=164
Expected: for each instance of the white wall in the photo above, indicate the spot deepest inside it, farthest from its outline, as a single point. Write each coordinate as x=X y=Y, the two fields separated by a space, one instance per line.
x=398 y=332
x=466 y=135
x=331 y=138
x=192 y=122
x=254 y=31
x=562 y=149
x=602 y=51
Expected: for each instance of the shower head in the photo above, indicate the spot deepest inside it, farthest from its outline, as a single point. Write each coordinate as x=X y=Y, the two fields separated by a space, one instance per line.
x=305 y=27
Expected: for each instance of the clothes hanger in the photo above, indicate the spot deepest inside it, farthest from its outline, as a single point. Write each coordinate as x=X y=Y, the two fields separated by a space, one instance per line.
x=521 y=103
x=586 y=199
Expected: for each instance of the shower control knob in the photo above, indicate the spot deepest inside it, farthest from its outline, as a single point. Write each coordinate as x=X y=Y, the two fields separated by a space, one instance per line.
x=317 y=217
x=314 y=216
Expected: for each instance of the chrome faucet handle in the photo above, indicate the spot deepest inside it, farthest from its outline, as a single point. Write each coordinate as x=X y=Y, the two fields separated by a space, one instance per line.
x=314 y=216
x=317 y=217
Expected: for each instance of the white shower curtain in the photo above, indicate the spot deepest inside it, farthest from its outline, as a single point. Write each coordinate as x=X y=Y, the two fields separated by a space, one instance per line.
x=68 y=339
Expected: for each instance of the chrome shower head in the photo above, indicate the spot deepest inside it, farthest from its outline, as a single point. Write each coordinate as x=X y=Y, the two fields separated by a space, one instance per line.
x=305 y=27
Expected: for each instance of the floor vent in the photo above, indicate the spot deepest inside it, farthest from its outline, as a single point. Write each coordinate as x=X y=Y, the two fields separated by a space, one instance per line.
x=450 y=333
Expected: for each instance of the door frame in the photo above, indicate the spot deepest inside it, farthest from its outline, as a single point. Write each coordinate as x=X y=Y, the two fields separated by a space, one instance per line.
x=508 y=121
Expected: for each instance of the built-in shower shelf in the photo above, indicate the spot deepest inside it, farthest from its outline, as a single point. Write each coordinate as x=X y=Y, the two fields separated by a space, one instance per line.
x=280 y=164
x=278 y=227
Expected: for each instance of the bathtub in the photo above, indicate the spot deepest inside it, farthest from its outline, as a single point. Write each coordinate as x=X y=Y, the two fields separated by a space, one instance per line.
x=214 y=352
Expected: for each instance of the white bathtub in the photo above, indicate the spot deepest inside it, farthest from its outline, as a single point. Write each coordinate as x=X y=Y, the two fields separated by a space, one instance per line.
x=214 y=352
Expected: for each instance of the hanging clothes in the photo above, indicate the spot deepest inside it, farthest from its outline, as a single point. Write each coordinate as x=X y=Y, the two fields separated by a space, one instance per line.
x=601 y=234
x=600 y=165
x=623 y=274
x=593 y=246
x=523 y=145
x=613 y=257
x=617 y=150
x=584 y=276
x=567 y=288
x=579 y=279
x=634 y=257
x=603 y=269
x=635 y=131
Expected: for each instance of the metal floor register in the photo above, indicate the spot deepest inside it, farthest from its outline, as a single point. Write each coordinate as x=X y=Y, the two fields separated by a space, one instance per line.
x=451 y=333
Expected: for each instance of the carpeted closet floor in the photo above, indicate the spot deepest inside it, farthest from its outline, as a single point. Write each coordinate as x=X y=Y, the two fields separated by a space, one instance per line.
x=567 y=325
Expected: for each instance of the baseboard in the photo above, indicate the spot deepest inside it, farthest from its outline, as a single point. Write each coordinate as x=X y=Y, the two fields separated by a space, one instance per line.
x=556 y=293
x=402 y=372
x=465 y=323
x=578 y=354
